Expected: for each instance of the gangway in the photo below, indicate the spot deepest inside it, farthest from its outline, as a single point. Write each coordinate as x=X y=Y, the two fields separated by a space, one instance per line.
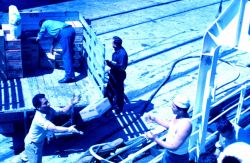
x=229 y=29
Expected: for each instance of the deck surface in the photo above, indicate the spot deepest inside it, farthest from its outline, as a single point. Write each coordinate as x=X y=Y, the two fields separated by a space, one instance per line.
x=16 y=94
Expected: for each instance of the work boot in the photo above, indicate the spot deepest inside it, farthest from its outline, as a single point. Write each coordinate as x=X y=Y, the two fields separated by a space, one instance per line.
x=66 y=80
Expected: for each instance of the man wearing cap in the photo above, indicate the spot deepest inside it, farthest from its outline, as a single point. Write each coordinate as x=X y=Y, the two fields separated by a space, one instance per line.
x=117 y=75
x=65 y=35
x=179 y=130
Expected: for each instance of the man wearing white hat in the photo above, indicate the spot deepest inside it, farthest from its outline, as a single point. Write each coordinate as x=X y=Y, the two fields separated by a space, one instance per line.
x=179 y=130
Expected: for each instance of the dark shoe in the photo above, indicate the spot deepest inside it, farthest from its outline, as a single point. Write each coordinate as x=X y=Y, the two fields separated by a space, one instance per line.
x=66 y=80
x=117 y=109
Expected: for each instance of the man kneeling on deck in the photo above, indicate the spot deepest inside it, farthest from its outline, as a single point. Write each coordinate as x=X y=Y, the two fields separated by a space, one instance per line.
x=179 y=130
x=41 y=125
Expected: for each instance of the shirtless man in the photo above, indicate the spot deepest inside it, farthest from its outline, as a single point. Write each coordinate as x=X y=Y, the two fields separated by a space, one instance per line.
x=179 y=130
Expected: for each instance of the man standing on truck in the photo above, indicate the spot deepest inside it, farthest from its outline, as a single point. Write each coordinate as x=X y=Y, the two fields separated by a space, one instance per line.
x=41 y=125
x=65 y=35
x=117 y=75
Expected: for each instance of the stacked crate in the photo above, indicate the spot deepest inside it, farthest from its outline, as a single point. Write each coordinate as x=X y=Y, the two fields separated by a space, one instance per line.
x=13 y=56
x=30 y=54
x=2 y=57
x=78 y=46
x=46 y=58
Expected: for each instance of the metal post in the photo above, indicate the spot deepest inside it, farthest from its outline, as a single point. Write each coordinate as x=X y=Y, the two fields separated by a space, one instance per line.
x=204 y=96
x=241 y=101
x=240 y=20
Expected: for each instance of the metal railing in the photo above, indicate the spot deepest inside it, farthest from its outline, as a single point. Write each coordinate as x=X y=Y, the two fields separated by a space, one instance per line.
x=239 y=112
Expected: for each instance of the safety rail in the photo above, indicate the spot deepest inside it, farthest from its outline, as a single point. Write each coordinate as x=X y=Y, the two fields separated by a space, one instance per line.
x=239 y=112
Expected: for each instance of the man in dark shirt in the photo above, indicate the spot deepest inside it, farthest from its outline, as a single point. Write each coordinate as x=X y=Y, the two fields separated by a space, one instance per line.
x=65 y=35
x=117 y=75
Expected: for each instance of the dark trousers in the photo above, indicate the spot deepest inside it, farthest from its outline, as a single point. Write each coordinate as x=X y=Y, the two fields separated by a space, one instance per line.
x=115 y=89
x=66 y=38
x=170 y=157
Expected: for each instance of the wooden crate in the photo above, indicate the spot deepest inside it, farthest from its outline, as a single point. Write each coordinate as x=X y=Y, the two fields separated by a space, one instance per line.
x=1 y=37
x=14 y=65
x=2 y=40
x=30 y=60
x=2 y=60
x=3 y=75
x=78 y=39
x=95 y=110
x=12 y=74
x=30 y=54
x=86 y=39
x=13 y=55
x=6 y=28
x=78 y=47
x=11 y=43
x=77 y=25
x=2 y=66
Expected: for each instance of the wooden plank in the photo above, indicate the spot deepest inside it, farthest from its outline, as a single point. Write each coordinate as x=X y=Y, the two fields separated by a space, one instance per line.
x=95 y=57
x=58 y=93
x=6 y=28
x=12 y=74
x=20 y=94
x=45 y=86
x=84 y=23
x=77 y=25
x=10 y=117
x=12 y=43
x=1 y=96
x=13 y=55
x=2 y=37
x=31 y=85
x=3 y=75
x=13 y=95
x=14 y=65
x=6 y=96
x=95 y=76
x=78 y=47
x=4 y=18
x=26 y=91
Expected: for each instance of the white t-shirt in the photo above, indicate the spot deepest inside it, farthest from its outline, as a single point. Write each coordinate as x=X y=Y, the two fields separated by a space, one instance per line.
x=39 y=126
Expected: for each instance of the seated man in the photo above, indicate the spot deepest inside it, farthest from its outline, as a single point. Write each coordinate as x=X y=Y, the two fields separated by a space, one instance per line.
x=229 y=134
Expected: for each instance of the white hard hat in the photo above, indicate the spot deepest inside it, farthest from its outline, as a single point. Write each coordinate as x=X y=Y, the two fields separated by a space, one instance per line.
x=182 y=101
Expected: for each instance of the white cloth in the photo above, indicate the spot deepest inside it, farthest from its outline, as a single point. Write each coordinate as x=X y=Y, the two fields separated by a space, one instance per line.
x=39 y=126
x=238 y=150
